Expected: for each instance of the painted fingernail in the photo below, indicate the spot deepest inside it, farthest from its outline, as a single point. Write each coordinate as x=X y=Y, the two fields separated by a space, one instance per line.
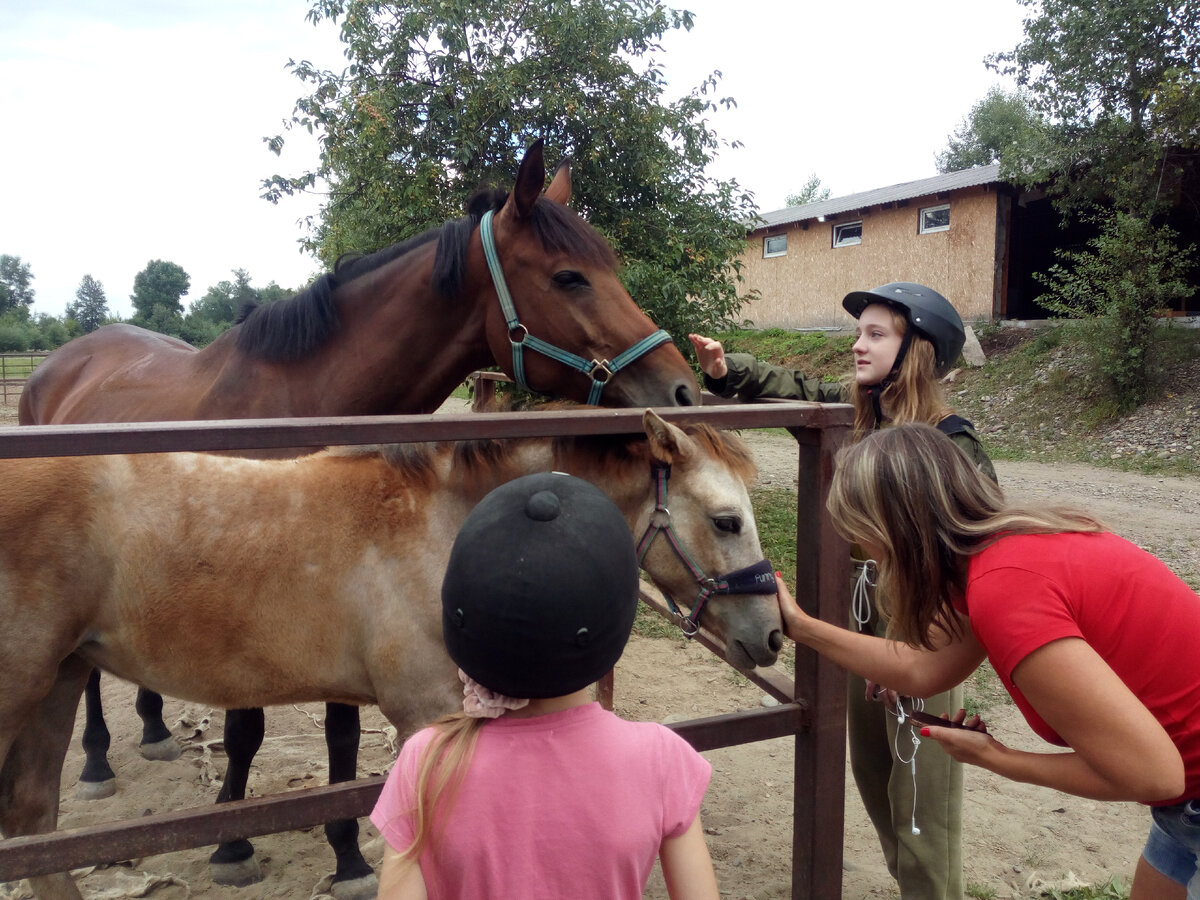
x=778 y=574
x=925 y=731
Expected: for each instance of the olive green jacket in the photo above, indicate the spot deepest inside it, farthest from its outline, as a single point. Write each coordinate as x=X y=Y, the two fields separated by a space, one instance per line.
x=750 y=378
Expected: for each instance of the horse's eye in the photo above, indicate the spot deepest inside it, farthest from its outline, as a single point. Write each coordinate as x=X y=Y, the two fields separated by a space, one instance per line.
x=728 y=524
x=570 y=279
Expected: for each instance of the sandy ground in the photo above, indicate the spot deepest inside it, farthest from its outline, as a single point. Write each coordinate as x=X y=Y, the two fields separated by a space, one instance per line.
x=1019 y=839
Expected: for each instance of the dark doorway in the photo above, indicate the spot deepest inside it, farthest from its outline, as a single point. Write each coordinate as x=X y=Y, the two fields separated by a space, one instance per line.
x=1036 y=237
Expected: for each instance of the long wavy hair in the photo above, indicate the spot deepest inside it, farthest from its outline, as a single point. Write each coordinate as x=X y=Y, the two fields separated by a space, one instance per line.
x=912 y=497
x=440 y=773
x=914 y=395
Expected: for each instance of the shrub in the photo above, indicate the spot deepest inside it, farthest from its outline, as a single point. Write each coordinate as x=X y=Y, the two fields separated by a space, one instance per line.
x=1130 y=274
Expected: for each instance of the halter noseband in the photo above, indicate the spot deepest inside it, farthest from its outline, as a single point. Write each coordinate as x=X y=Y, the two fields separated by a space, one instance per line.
x=754 y=579
x=599 y=370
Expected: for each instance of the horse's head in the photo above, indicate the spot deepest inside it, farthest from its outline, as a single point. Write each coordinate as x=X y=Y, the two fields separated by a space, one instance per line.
x=706 y=504
x=572 y=329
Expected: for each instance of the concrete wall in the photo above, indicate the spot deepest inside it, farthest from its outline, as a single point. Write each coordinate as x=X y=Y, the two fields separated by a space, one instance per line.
x=805 y=287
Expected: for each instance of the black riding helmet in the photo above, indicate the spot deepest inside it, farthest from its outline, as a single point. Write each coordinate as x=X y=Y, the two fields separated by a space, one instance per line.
x=541 y=589
x=928 y=313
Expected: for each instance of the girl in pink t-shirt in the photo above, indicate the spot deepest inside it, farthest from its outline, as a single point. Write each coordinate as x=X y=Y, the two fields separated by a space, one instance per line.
x=534 y=790
x=1095 y=639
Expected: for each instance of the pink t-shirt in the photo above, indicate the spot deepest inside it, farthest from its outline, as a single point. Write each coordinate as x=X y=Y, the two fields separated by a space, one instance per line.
x=570 y=804
x=1026 y=591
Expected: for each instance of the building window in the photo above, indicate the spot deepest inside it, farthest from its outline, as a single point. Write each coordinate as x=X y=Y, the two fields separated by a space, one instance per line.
x=774 y=245
x=935 y=218
x=847 y=234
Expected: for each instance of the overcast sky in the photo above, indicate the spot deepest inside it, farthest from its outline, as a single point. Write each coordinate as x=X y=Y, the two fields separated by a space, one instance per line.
x=133 y=129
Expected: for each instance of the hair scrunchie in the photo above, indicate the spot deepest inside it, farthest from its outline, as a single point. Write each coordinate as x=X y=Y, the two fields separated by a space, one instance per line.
x=481 y=703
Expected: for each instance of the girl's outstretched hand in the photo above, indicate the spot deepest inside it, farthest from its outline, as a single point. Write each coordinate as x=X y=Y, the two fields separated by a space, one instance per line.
x=710 y=354
x=795 y=620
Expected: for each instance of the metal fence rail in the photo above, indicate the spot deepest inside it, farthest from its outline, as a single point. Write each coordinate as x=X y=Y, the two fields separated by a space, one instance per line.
x=814 y=704
x=13 y=375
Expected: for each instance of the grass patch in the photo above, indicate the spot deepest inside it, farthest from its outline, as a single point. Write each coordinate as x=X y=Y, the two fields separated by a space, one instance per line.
x=775 y=513
x=1113 y=889
x=983 y=691
x=816 y=353
x=649 y=624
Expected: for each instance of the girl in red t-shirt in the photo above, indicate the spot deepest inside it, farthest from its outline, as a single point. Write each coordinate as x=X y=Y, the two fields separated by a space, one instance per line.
x=1095 y=639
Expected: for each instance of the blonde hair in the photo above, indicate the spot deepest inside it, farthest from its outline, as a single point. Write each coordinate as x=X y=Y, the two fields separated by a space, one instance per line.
x=913 y=497
x=440 y=773
x=914 y=395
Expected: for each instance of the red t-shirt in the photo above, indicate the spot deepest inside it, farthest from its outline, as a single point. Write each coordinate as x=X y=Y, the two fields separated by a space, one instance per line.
x=1026 y=591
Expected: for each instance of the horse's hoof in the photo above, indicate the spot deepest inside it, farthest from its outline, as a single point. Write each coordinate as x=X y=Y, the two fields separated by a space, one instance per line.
x=236 y=874
x=163 y=751
x=364 y=888
x=95 y=790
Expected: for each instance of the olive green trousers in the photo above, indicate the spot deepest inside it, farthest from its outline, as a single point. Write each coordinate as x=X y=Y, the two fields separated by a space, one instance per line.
x=928 y=865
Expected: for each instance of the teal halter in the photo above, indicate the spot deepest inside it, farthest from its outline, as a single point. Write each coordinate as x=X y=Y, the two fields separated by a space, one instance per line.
x=599 y=370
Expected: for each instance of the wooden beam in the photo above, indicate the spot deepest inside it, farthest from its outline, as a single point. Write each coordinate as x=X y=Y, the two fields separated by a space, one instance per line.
x=43 y=854
x=237 y=434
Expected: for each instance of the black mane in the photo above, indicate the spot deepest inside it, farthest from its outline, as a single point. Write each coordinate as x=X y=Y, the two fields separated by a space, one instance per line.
x=291 y=329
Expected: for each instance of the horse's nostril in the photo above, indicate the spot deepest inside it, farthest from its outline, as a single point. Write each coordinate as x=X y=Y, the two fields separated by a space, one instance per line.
x=775 y=641
x=685 y=395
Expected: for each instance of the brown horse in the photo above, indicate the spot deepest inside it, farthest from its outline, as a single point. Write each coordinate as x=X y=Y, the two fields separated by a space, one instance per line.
x=394 y=332
x=526 y=285
x=215 y=579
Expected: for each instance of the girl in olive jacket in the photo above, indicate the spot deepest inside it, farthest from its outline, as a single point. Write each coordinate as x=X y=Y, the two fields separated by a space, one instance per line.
x=908 y=338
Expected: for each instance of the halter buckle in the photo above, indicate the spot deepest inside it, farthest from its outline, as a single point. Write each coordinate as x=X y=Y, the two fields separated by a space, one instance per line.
x=660 y=518
x=515 y=330
x=601 y=367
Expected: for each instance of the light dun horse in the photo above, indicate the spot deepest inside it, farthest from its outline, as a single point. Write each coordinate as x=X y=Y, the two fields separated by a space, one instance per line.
x=394 y=332
x=239 y=582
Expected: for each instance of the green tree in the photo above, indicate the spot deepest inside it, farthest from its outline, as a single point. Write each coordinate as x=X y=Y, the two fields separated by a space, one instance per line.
x=16 y=285
x=999 y=122
x=157 y=293
x=54 y=332
x=1118 y=84
x=21 y=331
x=224 y=300
x=810 y=193
x=218 y=308
x=1129 y=259
x=442 y=96
x=90 y=308
x=273 y=293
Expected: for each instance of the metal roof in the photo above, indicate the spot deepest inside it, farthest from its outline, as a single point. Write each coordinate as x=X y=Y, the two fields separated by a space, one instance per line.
x=951 y=181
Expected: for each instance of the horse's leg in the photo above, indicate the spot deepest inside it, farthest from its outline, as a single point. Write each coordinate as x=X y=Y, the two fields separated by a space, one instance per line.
x=354 y=878
x=233 y=862
x=157 y=741
x=98 y=780
x=32 y=770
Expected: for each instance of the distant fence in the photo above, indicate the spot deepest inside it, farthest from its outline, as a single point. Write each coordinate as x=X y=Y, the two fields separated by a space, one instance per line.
x=14 y=372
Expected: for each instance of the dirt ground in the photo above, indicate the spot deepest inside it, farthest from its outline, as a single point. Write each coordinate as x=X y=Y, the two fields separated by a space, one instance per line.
x=1018 y=839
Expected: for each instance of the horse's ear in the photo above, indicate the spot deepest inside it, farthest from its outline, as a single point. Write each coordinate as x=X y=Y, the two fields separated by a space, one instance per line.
x=668 y=443
x=531 y=177
x=560 y=185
